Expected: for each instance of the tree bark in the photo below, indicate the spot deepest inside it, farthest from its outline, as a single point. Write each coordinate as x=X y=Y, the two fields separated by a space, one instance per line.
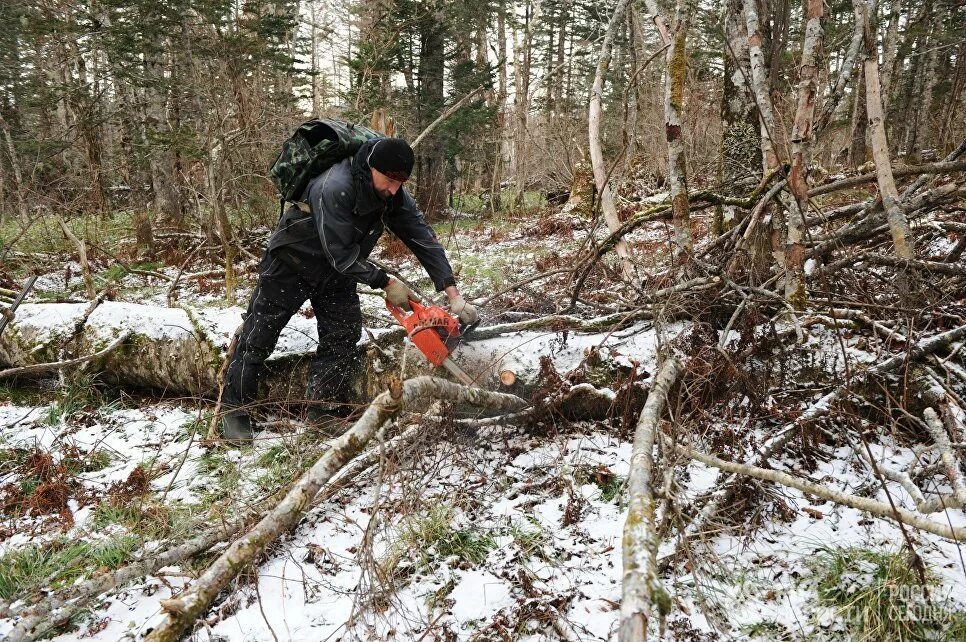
x=642 y=592
x=898 y=223
x=598 y=163
x=760 y=83
x=925 y=136
x=741 y=136
x=801 y=140
x=860 y=122
x=673 y=112
x=193 y=603
x=889 y=49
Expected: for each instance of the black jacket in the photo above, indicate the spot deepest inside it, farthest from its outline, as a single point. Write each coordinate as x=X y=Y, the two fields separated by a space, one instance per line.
x=346 y=221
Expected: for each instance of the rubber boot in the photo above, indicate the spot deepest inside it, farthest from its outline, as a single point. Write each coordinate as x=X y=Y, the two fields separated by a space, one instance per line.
x=237 y=427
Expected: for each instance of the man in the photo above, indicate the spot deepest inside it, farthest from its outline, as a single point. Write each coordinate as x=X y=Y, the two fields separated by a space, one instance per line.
x=319 y=253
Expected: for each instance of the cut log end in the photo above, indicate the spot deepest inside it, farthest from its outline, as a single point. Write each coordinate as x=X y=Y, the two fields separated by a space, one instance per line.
x=508 y=377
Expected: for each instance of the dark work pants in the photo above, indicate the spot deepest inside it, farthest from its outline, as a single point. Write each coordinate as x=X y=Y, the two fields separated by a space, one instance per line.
x=279 y=294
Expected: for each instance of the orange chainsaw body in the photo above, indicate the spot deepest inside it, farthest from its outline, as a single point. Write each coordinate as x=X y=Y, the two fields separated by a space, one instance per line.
x=429 y=327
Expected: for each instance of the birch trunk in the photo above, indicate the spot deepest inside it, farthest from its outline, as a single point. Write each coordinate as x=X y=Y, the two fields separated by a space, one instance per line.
x=760 y=83
x=872 y=506
x=740 y=139
x=642 y=591
x=193 y=603
x=846 y=70
x=889 y=49
x=801 y=139
x=596 y=152
x=950 y=461
x=898 y=223
x=673 y=110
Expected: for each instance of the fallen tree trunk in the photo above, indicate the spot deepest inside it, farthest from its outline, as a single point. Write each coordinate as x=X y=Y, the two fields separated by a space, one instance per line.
x=181 y=612
x=42 y=618
x=642 y=590
x=726 y=489
x=180 y=351
x=875 y=507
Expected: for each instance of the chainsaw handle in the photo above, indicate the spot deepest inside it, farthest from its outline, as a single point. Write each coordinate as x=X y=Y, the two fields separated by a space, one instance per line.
x=400 y=315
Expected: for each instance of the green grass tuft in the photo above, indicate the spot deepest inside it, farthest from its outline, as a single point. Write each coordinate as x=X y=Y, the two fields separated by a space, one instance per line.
x=879 y=597
x=431 y=536
x=27 y=570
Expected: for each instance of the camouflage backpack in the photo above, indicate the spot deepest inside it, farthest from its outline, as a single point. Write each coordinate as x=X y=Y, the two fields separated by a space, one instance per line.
x=315 y=146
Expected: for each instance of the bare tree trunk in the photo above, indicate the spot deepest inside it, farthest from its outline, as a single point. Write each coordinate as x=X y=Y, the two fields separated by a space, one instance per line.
x=846 y=70
x=913 y=113
x=760 y=83
x=215 y=170
x=860 y=122
x=953 y=110
x=556 y=89
x=642 y=592
x=677 y=69
x=801 y=139
x=596 y=152
x=632 y=97
x=740 y=138
x=522 y=52
x=193 y=603
x=314 y=58
x=898 y=223
x=889 y=48
x=499 y=156
x=19 y=190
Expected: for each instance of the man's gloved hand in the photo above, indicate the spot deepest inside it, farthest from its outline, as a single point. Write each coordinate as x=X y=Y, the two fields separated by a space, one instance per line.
x=398 y=294
x=465 y=311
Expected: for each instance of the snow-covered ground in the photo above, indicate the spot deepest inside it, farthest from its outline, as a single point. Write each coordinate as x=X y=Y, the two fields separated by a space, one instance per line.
x=491 y=533
x=525 y=520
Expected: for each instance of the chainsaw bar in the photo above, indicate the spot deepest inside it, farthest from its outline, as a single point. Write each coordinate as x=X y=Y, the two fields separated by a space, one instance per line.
x=436 y=333
x=458 y=372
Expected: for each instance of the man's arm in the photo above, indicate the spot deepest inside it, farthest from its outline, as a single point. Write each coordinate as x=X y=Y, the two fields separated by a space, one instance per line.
x=332 y=205
x=407 y=222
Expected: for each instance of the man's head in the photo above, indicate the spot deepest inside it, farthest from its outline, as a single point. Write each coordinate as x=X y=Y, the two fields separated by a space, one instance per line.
x=391 y=161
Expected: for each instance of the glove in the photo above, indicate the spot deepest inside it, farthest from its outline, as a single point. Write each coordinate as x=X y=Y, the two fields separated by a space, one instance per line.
x=398 y=294
x=465 y=311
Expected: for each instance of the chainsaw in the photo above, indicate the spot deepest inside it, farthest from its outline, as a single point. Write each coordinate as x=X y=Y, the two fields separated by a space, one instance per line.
x=436 y=333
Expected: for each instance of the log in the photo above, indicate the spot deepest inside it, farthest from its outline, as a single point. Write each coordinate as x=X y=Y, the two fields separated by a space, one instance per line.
x=642 y=590
x=875 y=507
x=180 y=350
x=40 y=619
x=725 y=492
x=57 y=365
x=189 y=606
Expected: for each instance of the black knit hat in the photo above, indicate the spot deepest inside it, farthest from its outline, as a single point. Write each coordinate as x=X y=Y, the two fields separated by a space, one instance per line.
x=392 y=157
